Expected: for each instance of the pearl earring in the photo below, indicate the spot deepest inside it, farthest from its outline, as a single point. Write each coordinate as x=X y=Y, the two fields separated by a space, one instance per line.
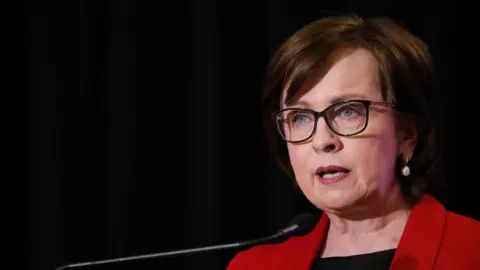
x=406 y=169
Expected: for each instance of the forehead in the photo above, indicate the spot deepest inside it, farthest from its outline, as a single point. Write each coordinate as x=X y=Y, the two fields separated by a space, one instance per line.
x=353 y=75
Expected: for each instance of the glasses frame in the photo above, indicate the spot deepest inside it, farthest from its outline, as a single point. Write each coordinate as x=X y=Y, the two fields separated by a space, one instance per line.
x=322 y=114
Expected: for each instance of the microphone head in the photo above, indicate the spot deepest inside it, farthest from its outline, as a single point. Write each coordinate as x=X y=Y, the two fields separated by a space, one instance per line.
x=305 y=223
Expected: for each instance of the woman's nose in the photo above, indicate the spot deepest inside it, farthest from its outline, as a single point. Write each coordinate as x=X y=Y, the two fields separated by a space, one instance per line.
x=324 y=139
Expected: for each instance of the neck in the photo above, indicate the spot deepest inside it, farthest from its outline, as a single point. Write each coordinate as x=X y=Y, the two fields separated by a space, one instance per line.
x=376 y=226
x=374 y=215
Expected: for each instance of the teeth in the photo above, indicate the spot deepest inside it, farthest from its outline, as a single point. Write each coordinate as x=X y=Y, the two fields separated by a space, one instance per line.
x=331 y=175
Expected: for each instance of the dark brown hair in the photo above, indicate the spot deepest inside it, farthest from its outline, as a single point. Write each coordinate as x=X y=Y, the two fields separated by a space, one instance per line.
x=405 y=69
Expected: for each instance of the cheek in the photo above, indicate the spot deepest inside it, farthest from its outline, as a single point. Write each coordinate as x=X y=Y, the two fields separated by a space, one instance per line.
x=378 y=151
x=376 y=160
x=298 y=158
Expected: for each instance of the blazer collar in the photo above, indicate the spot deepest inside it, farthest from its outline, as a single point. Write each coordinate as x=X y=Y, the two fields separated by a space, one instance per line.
x=417 y=249
x=305 y=249
x=421 y=238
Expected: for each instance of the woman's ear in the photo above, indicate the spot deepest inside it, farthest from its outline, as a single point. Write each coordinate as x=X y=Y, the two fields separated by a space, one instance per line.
x=407 y=135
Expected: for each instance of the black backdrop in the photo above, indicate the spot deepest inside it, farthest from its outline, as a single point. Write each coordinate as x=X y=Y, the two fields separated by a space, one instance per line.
x=143 y=132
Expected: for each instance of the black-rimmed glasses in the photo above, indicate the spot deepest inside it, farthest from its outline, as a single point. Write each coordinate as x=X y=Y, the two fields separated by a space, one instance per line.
x=345 y=118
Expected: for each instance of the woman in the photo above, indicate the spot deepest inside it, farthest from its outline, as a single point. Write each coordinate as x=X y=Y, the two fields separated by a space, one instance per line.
x=352 y=125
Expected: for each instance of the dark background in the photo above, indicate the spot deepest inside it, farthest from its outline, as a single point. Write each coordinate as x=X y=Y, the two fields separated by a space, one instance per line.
x=142 y=131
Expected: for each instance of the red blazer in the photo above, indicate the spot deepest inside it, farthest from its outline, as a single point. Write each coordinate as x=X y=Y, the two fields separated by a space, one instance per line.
x=433 y=238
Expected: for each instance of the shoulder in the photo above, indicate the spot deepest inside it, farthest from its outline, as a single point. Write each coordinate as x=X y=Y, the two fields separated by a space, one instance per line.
x=297 y=252
x=462 y=229
x=461 y=241
x=259 y=257
x=433 y=214
x=458 y=221
x=461 y=234
x=250 y=258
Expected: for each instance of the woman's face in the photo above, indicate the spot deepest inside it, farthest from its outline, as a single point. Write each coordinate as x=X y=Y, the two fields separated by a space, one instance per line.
x=365 y=163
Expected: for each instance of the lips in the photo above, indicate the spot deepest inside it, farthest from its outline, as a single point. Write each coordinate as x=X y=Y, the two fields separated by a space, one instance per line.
x=330 y=170
x=331 y=174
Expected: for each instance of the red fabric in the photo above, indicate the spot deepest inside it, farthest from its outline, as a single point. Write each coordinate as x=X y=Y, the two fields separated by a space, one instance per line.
x=433 y=238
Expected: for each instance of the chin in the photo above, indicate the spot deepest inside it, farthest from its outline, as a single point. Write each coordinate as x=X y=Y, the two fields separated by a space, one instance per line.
x=335 y=201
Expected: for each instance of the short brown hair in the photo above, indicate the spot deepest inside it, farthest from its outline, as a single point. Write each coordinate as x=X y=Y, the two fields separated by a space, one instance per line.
x=406 y=72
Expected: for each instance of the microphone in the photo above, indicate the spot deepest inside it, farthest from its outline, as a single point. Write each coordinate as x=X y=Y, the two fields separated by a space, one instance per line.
x=300 y=225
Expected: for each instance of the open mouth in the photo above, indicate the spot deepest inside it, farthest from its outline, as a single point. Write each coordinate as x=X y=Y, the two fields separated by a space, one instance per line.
x=332 y=172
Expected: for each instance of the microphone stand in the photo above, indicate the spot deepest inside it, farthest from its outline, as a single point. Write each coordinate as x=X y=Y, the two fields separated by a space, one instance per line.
x=279 y=234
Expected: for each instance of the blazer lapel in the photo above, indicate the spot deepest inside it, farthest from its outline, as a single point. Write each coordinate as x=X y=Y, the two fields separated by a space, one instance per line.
x=303 y=250
x=421 y=238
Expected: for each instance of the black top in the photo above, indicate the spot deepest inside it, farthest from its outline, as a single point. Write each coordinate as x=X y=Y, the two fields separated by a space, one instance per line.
x=380 y=260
